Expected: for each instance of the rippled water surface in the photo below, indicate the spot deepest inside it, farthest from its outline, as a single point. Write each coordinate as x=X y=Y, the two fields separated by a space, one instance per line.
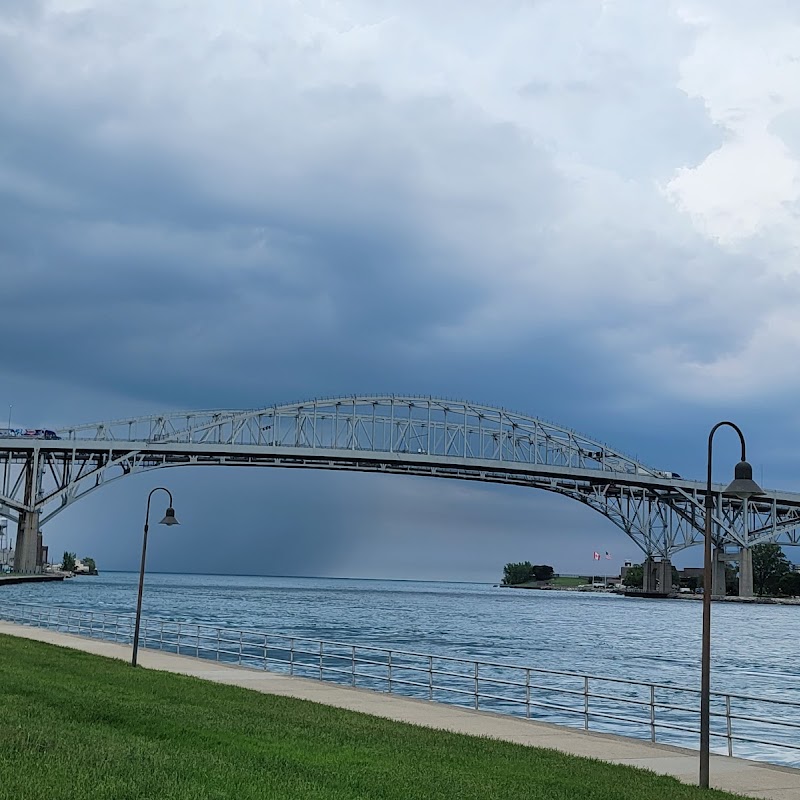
x=754 y=647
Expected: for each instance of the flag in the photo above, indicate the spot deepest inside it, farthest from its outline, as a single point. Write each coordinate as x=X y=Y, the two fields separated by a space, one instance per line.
x=608 y=556
x=596 y=556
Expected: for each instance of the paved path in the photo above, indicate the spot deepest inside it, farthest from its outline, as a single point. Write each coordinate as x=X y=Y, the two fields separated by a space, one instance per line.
x=734 y=774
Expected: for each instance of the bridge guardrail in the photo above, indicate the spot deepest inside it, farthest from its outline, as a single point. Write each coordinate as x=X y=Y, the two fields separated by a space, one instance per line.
x=741 y=725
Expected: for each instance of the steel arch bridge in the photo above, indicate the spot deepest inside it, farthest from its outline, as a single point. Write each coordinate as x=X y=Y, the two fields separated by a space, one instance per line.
x=661 y=512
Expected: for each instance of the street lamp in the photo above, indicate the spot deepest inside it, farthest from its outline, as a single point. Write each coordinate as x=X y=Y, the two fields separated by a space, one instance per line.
x=169 y=519
x=742 y=486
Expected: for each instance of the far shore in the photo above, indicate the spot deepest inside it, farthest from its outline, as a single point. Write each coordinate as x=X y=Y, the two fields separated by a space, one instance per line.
x=544 y=586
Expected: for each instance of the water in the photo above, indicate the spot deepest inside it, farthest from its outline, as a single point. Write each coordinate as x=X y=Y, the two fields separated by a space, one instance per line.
x=754 y=647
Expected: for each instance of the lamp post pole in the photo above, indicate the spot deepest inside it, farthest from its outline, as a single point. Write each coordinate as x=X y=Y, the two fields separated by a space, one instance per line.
x=743 y=486
x=169 y=519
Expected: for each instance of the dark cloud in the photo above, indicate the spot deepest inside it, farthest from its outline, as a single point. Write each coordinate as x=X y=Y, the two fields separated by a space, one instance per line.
x=224 y=208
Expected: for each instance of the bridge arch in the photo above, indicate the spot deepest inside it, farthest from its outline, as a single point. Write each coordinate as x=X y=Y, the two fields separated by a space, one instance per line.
x=396 y=434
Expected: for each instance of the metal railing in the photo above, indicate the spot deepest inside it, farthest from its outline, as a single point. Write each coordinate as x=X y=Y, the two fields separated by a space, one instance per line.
x=753 y=727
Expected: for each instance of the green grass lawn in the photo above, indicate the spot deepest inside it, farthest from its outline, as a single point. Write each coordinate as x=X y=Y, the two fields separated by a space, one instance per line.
x=76 y=726
x=570 y=581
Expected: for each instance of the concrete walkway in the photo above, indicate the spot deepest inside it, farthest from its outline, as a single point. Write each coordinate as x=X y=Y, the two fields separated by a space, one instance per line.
x=734 y=774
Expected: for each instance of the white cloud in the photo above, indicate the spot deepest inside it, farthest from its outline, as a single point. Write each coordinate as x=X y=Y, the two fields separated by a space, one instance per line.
x=746 y=69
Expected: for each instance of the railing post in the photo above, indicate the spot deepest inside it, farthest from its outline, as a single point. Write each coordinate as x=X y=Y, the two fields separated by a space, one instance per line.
x=320 y=659
x=652 y=713
x=728 y=724
x=390 y=671
x=528 y=693
x=291 y=656
x=197 y=642
x=241 y=644
x=430 y=677
x=477 y=690
x=266 y=650
x=586 y=702
x=353 y=664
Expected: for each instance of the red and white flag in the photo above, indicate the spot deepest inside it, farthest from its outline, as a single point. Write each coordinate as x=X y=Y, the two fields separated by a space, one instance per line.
x=596 y=556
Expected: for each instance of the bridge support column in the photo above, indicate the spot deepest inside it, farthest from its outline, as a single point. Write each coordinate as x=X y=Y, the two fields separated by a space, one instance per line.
x=664 y=576
x=26 y=553
x=718 y=572
x=649 y=575
x=745 y=572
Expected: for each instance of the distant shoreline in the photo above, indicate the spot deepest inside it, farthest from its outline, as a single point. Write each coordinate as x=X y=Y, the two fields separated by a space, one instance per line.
x=767 y=601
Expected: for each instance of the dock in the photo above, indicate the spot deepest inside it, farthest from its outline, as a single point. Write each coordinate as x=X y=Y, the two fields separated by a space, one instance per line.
x=11 y=579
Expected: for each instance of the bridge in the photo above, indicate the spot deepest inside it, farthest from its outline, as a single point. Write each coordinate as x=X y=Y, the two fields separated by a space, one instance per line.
x=660 y=511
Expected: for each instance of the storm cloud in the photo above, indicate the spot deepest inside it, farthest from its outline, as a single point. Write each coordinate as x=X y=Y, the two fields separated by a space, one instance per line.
x=585 y=211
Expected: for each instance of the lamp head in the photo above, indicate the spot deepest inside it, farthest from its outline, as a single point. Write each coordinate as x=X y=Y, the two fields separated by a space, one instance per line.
x=169 y=518
x=743 y=485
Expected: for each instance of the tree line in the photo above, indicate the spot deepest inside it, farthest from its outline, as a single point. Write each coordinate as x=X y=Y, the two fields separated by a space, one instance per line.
x=524 y=572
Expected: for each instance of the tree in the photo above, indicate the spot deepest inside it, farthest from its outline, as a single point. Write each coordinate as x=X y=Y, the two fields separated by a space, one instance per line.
x=90 y=563
x=524 y=571
x=516 y=573
x=634 y=576
x=789 y=584
x=692 y=582
x=769 y=565
x=68 y=562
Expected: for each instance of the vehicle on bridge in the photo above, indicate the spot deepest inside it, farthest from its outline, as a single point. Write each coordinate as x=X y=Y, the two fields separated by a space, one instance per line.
x=27 y=433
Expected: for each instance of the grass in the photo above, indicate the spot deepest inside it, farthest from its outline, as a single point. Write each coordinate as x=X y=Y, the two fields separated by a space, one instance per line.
x=570 y=582
x=78 y=726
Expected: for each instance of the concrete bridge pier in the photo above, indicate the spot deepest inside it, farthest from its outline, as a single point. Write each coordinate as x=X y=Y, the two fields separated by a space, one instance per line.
x=657 y=575
x=718 y=560
x=649 y=574
x=664 y=576
x=745 y=572
x=26 y=553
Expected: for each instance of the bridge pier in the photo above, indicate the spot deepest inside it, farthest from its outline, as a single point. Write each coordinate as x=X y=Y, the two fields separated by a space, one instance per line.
x=27 y=552
x=657 y=575
x=745 y=572
x=664 y=576
x=649 y=575
x=718 y=560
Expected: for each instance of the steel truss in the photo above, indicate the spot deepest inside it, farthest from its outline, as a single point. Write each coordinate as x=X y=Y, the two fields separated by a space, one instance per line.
x=661 y=513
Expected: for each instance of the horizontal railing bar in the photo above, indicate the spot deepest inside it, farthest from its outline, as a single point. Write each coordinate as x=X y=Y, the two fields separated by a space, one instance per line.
x=579 y=692
x=409 y=683
x=514 y=700
x=554 y=707
x=764 y=741
x=761 y=721
x=484 y=679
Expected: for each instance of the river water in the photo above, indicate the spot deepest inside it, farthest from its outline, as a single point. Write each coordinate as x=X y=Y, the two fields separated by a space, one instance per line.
x=754 y=647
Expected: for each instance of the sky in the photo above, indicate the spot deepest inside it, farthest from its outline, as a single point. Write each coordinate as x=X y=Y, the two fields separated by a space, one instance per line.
x=586 y=211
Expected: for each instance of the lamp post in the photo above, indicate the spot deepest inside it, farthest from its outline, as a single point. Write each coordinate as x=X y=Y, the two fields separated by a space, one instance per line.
x=169 y=519
x=742 y=486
